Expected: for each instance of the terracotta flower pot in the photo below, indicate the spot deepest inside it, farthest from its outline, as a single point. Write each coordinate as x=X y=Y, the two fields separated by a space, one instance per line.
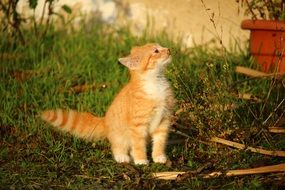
x=267 y=43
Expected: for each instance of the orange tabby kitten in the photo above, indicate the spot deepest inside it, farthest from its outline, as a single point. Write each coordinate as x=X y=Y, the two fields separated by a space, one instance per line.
x=142 y=109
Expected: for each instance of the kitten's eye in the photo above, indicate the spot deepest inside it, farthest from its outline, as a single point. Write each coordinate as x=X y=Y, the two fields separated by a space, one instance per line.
x=156 y=51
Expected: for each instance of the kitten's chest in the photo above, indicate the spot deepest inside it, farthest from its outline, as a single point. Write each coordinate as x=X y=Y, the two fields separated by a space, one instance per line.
x=156 y=89
x=159 y=113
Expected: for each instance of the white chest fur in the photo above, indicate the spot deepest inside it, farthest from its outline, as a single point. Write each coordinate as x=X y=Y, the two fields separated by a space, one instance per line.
x=156 y=88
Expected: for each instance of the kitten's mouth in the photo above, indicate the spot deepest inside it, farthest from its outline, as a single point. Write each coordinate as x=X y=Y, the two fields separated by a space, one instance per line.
x=168 y=60
x=162 y=63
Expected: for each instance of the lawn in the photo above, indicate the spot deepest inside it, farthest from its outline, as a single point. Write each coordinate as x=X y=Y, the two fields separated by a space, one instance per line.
x=79 y=70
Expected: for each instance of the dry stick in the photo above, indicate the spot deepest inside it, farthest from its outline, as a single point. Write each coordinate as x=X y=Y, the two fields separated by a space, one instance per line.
x=259 y=170
x=249 y=72
x=241 y=146
x=276 y=129
x=167 y=175
x=247 y=96
x=255 y=73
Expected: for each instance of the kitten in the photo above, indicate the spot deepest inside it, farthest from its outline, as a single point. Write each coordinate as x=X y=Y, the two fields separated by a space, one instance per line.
x=142 y=109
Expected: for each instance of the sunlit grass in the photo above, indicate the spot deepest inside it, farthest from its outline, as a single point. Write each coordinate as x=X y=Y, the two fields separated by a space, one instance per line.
x=79 y=70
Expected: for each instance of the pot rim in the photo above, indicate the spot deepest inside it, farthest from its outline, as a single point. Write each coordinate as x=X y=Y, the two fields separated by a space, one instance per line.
x=274 y=25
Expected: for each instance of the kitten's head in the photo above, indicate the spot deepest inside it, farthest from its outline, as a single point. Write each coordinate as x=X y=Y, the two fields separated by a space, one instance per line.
x=147 y=57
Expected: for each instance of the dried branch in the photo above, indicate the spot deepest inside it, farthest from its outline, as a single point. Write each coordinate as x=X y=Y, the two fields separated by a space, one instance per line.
x=251 y=171
x=276 y=130
x=257 y=74
x=243 y=147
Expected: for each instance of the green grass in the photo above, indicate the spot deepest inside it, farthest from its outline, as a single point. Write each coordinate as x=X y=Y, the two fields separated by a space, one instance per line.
x=44 y=73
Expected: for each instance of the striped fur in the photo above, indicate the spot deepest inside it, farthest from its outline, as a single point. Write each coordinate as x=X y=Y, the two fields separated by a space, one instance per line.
x=141 y=110
x=80 y=124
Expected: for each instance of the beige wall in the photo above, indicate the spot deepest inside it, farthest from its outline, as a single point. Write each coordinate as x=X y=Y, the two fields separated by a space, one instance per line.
x=190 y=19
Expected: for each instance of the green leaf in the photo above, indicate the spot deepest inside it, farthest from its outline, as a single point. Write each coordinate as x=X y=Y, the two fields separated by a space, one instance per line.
x=33 y=4
x=67 y=9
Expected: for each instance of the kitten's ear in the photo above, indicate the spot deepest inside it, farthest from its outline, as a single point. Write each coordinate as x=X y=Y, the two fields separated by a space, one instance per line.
x=131 y=62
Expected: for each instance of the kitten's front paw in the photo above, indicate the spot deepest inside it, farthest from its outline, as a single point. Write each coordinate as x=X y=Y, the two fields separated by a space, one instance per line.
x=160 y=159
x=141 y=162
x=122 y=158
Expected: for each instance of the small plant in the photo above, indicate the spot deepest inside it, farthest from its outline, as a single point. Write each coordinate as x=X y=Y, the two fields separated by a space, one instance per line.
x=12 y=20
x=264 y=9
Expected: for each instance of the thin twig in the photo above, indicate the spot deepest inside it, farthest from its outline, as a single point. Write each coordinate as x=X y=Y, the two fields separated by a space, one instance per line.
x=180 y=133
x=187 y=136
x=267 y=98
x=250 y=9
x=279 y=119
x=271 y=114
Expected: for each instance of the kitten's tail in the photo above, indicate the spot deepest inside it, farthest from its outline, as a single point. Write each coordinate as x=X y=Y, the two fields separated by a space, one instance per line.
x=81 y=124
